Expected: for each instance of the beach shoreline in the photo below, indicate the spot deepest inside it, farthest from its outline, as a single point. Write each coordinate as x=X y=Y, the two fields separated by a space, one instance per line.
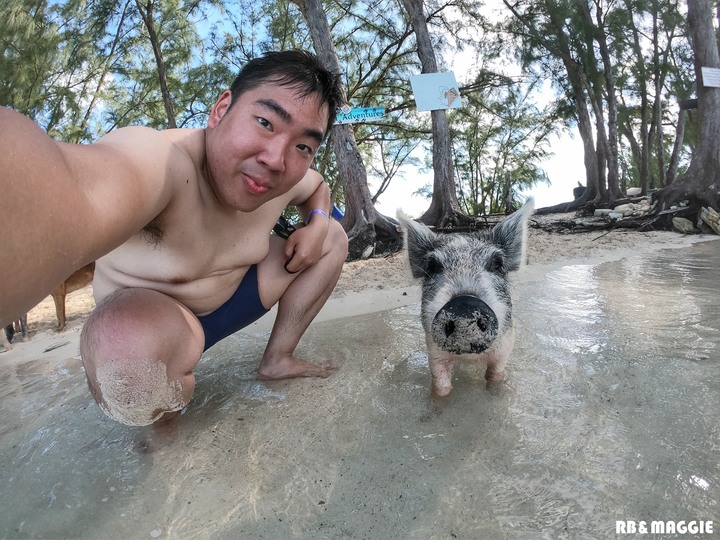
x=370 y=285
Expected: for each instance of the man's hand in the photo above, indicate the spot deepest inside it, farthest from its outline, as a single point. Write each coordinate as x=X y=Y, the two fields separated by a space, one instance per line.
x=304 y=247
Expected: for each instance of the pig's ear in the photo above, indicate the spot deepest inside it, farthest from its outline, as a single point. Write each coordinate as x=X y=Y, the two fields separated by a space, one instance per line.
x=419 y=240
x=511 y=235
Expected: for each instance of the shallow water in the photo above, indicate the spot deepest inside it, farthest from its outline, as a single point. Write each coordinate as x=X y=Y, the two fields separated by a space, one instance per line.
x=609 y=412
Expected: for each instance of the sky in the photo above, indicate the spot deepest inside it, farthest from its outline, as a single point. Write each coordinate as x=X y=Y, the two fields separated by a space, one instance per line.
x=564 y=169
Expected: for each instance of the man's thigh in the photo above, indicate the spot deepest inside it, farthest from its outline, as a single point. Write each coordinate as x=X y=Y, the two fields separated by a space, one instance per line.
x=273 y=279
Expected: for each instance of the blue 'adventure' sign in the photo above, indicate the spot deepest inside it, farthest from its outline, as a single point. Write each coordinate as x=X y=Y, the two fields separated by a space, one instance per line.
x=359 y=114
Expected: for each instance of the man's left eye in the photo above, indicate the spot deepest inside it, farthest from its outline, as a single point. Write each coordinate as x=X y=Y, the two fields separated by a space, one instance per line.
x=306 y=148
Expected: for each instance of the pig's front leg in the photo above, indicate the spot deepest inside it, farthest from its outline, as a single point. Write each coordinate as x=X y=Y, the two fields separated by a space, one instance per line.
x=498 y=356
x=494 y=373
x=441 y=367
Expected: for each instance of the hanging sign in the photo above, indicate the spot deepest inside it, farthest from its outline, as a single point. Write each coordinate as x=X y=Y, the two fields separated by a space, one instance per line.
x=359 y=114
x=711 y=77
x=436 y=91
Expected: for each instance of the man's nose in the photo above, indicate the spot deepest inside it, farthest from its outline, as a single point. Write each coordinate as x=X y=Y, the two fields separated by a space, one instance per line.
x=273 y=154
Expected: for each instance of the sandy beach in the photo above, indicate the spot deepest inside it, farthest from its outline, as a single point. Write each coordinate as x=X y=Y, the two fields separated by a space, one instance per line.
x=368 y=285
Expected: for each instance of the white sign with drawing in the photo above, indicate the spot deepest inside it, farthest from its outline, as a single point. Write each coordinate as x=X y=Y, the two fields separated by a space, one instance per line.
x=435 y=91
x=711 y=77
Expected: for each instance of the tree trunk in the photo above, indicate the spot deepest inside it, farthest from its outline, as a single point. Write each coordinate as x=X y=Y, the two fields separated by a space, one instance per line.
x=701 y=182
x=643 y=160
x=657 y=103
x=601 y=153
x=444 y=208
x=507 y=203
x=675 y=156
x=147 y=17
x=365 y=226
x=575 y=75
x=612 y=152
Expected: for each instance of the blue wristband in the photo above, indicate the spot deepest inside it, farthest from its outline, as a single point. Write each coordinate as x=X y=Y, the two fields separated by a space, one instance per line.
x=316 y=211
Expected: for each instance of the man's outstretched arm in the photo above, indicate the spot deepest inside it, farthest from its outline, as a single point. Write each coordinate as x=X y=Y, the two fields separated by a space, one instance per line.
x=61 y=207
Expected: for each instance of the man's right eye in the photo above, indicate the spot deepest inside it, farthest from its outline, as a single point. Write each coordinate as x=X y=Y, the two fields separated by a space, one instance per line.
x=264 y=122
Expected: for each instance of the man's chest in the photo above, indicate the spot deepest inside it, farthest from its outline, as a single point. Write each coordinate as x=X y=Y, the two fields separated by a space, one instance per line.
x=189 y=246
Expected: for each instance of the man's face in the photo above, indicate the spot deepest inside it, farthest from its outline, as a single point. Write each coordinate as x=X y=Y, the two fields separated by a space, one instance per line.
x=263 y=145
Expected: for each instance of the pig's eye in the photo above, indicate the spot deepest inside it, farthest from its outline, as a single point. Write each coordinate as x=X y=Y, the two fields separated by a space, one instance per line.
x=434 y=266
x=496 y=264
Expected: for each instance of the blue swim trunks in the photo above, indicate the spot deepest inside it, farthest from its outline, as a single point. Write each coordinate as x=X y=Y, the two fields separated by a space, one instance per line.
x=243 y=308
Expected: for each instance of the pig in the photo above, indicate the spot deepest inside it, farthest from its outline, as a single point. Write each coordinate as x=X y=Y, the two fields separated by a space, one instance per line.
x=466 y=308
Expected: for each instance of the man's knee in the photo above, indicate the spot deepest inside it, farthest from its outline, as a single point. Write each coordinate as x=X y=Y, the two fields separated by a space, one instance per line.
x=137 y=392
x=138 y=352
x=337 y=239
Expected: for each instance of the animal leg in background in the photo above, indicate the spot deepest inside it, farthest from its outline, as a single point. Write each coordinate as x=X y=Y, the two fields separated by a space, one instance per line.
x=79 y=279
x=20 y=326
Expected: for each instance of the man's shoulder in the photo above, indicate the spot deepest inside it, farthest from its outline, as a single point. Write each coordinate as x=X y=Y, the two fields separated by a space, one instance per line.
x=141 y=135
x=148 y=147
x=131 y=133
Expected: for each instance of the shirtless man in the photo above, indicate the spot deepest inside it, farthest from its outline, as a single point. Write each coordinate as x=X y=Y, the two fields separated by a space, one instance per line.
x=179 y=222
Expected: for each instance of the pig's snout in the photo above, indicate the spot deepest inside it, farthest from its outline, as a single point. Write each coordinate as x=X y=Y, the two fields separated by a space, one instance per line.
x=465 y=325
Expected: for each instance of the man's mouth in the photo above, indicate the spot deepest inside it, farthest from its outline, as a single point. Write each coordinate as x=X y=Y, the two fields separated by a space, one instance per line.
x=254 y=187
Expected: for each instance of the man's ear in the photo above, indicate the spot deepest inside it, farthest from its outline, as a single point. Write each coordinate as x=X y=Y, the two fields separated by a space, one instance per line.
x=221 y=107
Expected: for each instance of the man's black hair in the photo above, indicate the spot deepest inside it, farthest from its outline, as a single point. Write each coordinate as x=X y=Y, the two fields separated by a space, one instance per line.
x=294 y=68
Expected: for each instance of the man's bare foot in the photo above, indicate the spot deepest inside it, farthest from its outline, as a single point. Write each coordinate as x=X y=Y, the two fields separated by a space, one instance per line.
x=291 y=366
